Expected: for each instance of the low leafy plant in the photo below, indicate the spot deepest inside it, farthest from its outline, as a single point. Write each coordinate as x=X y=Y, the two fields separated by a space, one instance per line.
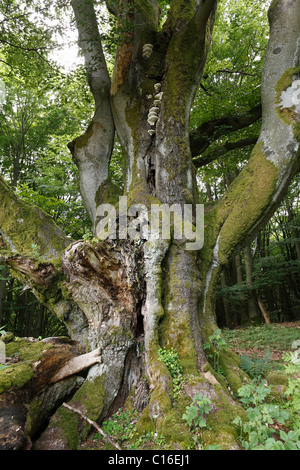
x=254 y=393
x=35 y=251
x=147 y=439
x=171 y=359
x=262 y=430
x=292 y=362
x=196 y=415
x=87 y=236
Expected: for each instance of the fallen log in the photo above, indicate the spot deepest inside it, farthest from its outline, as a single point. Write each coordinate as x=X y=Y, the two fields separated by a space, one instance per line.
x=36 y=378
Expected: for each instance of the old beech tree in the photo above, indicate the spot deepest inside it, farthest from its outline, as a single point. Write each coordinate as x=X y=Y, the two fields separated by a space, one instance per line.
x=128 y=299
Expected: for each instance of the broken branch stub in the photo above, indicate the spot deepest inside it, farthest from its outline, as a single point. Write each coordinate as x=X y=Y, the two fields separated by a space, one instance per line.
x=77 y=364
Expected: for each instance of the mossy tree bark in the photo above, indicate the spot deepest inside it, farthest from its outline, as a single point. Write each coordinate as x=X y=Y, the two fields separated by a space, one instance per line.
x=128 y=298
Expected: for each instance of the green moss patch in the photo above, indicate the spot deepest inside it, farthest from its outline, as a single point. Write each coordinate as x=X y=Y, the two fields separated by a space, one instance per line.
x=90 y=399
x=16 y=375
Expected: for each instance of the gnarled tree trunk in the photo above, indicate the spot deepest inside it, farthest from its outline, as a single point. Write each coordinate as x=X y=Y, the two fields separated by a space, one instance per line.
x=130 y=297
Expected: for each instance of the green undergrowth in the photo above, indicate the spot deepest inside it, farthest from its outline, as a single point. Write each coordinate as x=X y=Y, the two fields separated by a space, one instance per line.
x=270 y=399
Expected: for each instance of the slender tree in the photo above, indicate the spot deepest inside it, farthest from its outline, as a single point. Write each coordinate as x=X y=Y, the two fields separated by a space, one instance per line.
x=131 y=298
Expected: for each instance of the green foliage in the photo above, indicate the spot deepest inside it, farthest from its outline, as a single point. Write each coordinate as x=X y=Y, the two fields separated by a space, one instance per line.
x=44 y=109
x=260 y=435
x=231 y=84
x=271 y=271
x=195 y=417
x=2 y=330
x=216 y=343
x=292 y=360
x=261 y=337
x=260 y=432
x=292 y=392
x=257 y=366
x=195 y=413
x=121 y=424
x=37 y=122
x=35 y=251
x=254 y=393
x=171 y=359
x=148 y=439
x=272 y=426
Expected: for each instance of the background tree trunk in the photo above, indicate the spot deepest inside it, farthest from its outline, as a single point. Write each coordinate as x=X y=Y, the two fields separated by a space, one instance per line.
x=243 y=312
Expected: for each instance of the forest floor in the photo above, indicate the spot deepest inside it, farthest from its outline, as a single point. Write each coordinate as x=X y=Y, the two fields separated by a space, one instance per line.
x=275 y=339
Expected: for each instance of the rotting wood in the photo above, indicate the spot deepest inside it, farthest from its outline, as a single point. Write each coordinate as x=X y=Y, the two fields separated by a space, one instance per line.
x=77 y=364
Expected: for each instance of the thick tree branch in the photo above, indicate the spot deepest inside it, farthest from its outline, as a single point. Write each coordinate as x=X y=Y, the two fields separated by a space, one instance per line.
x=208 y=132
x=135 y=21
x=199 y=11
x=205 y=9
x=190 y=33
x=91 y=47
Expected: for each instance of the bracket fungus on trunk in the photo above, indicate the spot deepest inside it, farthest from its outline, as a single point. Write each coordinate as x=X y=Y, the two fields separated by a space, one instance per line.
x=147 y=51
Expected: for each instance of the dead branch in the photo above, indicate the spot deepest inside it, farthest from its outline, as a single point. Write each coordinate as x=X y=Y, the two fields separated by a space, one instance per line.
x=106 y=436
